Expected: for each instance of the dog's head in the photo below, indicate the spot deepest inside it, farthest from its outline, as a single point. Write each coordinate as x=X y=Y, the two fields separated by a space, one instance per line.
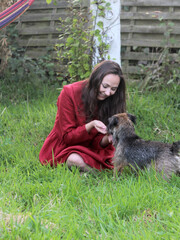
x=120 y=119
x=118 y=122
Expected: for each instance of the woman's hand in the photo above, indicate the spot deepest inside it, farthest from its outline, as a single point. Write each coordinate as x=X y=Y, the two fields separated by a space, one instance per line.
x=100 y=126
x=106 y=140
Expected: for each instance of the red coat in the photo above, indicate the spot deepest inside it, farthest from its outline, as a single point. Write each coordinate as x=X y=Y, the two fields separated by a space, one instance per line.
x=69 y=134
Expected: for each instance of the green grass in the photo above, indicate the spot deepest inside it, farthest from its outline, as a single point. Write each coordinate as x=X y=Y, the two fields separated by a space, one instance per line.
x=39 y=202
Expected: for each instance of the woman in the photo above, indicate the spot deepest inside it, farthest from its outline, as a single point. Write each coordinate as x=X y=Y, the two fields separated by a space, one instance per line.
x=79 y=135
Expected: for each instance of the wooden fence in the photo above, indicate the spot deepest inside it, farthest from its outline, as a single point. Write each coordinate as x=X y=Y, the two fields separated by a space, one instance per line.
x=146 y=28
x=38 y=26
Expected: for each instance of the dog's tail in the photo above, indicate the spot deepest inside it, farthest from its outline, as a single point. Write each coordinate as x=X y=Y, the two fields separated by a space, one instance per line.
x=175 y=148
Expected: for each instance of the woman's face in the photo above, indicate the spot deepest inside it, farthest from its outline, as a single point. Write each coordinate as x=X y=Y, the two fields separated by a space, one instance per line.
x=108 y=86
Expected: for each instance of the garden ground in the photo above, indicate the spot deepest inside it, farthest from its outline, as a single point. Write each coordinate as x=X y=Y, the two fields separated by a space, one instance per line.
x=40 y=202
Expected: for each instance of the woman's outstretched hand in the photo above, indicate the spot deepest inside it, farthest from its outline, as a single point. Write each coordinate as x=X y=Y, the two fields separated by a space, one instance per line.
x=100 y=126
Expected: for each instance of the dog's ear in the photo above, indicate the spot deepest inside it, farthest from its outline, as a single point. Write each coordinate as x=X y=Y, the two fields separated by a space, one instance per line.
x=175 y=148
x=132 y=118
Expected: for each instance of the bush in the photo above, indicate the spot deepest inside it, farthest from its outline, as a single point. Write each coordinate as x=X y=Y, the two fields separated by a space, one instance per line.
x=23 y=76
x=163 y=72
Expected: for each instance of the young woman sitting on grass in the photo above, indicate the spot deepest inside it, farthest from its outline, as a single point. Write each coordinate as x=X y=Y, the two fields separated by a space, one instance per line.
x=79 y=136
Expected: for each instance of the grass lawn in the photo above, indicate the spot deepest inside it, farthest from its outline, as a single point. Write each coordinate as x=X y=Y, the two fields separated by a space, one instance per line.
x=39 y=202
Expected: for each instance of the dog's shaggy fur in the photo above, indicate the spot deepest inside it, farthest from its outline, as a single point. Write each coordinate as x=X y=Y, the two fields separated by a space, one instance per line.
x=137 y=153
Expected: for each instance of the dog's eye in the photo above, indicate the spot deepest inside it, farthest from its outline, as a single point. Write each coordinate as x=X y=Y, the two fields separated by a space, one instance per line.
x=115 y=121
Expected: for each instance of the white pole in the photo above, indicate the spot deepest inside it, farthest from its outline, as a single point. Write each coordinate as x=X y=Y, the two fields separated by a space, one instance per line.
x=111 y=23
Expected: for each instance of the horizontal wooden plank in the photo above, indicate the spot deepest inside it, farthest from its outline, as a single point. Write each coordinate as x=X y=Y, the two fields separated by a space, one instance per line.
x=36 y=53
x=63 y=4
x=44 y=5
x=124 y=42
x=140 y=56
x=33 y=17
x=38 y=31
x=131 y=69
x=41 y=17
x=124 y=29
x=148 y=29
x=148 y=43
x=150 y=16
x=37 y=42
x=131 y=81
x=172 y=3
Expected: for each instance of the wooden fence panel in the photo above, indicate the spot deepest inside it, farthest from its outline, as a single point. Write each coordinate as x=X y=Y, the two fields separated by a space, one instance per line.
x=38 y=26
x=146 y=28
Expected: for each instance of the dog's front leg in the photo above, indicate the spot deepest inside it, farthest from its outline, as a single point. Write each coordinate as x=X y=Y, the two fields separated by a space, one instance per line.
x=118 y=169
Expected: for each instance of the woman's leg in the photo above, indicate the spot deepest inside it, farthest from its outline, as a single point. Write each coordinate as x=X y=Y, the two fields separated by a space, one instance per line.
x=75 y=159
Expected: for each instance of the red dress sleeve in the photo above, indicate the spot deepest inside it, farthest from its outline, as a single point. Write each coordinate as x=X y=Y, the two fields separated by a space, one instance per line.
x=71 y=124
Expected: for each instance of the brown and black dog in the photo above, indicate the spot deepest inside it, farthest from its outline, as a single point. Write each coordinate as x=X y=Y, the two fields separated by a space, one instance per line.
x=137 y=153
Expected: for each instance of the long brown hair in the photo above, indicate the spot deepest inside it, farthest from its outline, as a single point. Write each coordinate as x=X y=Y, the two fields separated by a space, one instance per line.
x=116 y=103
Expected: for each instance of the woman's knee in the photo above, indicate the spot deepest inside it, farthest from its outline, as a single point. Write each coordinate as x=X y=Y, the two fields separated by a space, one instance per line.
x=75 y=159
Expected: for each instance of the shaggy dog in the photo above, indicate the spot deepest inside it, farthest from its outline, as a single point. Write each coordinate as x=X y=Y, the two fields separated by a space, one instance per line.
x=137 y=153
